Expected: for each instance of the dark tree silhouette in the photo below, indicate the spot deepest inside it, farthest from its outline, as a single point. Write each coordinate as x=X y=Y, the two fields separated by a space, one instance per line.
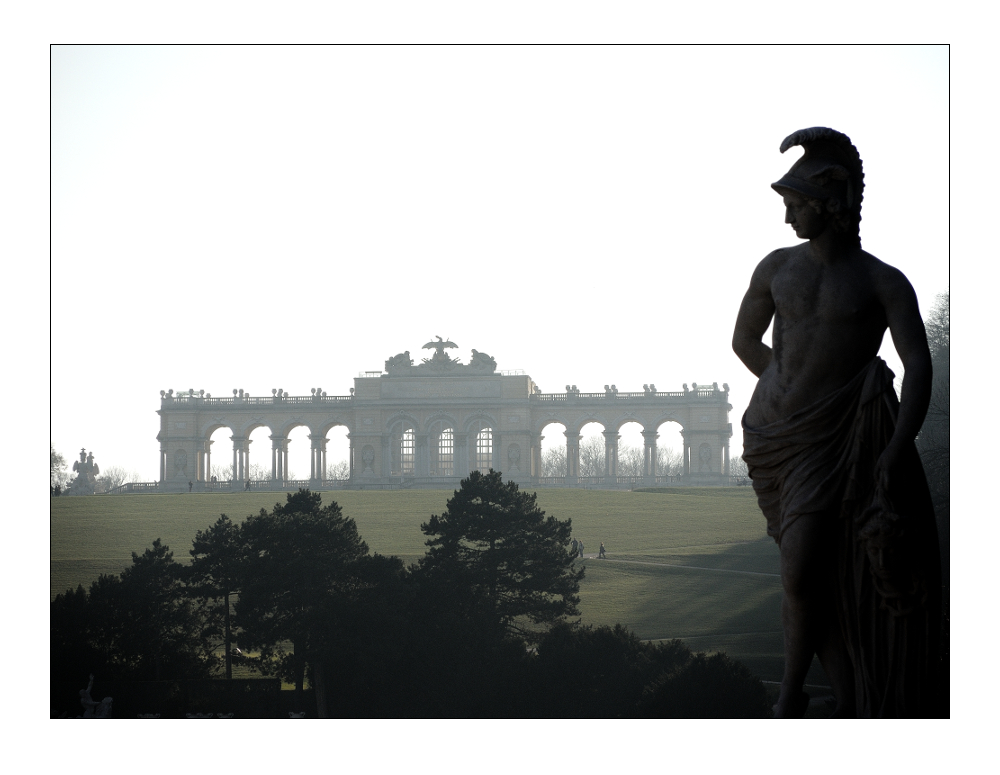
x=707 y=686
x=602 y=672
x=934 y=445
x=141 y=625
x=498 y=561
x=301 y=559
x=934 y=439
x=218 y=556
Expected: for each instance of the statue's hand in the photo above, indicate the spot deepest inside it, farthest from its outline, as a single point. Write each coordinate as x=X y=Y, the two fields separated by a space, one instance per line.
x=885 y=465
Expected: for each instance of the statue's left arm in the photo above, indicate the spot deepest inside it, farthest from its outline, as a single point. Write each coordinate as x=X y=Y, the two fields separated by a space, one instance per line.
x=910 y=340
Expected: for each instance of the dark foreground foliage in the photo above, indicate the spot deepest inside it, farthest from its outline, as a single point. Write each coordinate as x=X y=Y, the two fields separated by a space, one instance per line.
x=477 y=630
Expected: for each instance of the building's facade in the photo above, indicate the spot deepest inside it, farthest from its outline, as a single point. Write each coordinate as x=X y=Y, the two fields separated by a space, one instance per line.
x=430 y=424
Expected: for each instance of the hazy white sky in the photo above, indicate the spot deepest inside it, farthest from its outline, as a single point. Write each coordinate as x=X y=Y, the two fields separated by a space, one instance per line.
x=264 y=218
x=244 y=217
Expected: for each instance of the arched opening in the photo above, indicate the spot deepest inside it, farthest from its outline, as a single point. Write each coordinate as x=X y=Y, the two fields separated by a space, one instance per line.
x=592 y=450
x=403 y=448
x=481 y=446
x=336 y=454
x=299 y=446
x=258 y=465
x=441 y=441
x=631 y=451
x=484 y=449
x=669 y=451
x=219 y=453
x=553 y=448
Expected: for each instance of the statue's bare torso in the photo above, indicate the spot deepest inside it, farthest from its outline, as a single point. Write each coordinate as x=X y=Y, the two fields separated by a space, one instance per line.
x=829 y=321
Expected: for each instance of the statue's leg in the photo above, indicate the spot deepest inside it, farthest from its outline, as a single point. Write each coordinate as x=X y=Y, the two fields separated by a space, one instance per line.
x=806 y=571
x=837 y=663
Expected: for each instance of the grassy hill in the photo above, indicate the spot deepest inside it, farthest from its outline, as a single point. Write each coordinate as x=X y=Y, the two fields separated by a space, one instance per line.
x=689 y=563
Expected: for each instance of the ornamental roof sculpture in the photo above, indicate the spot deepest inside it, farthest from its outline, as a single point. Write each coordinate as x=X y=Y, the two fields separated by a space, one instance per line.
x=440 y=363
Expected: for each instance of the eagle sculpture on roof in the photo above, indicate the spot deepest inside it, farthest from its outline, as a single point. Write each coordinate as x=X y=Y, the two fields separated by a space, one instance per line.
x=439 y=345
x=439 y=358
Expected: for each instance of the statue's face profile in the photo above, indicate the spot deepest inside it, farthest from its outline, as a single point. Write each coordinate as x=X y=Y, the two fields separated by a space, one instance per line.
x=805 y=221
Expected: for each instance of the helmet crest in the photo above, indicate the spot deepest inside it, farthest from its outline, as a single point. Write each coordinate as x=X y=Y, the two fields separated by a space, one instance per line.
x=830 y=170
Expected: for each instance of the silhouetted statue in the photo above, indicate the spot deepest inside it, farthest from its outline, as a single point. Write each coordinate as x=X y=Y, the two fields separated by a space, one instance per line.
x=93 y=709
x=396 y=362
x=830 y=448
x=483 y=362
x=438 y=347
x=87 y=472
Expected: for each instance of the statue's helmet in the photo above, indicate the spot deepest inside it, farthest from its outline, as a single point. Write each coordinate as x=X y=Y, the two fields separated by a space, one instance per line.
x=830 y=170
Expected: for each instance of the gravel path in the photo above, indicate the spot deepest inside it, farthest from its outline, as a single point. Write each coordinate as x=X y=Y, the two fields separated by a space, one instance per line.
x=688 y=567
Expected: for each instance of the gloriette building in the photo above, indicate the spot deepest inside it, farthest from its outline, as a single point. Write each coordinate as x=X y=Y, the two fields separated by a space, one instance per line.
x=430 y=424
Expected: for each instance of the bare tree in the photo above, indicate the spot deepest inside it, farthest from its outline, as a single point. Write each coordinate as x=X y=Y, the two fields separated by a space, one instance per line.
x=668 y=462
x=58 y=473
x=341 y=470
x=592 y=456
x=256 y=473
x=631 y=460
x=934 y=439
x=554 y=461
x=738 y=474
x=115 y=476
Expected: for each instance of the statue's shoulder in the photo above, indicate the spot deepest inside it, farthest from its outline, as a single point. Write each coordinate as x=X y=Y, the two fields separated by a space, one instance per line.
x=889 y=282
x=771 y=264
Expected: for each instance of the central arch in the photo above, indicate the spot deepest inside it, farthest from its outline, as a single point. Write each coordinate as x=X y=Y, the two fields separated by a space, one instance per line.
x=441 y=447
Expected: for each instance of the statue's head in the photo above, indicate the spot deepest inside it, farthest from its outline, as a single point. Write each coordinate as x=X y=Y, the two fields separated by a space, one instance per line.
x=829 y=175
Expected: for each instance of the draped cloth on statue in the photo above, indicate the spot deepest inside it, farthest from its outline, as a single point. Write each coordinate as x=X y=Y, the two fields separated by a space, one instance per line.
x=822 y=460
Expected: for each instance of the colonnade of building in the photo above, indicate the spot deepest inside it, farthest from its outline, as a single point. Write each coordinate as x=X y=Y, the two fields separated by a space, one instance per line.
x=443 y=453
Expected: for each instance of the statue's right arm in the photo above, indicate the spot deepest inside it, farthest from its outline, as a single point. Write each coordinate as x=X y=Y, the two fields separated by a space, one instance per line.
x=755 y=316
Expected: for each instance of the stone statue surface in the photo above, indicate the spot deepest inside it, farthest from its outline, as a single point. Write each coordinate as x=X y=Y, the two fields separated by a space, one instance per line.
x=830 y=448
x=482 y=362
x=92 y=709
x=87 y=472
x=440 y=363
x=401 y=362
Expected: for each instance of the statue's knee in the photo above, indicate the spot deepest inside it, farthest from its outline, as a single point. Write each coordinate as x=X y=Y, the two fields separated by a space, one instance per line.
x=800 y=578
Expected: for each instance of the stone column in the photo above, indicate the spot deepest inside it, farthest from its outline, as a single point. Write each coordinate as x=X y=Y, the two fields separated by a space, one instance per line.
x=208 y=460
x=536 y=455
x=686 y=455
x=277 y=459
x=351 y=451
x=421 y=454
x=238 y=458
x=386 y=454
x=246 y=458
x=610 y=455
x=461 y=455
x=497 y=463
x=163 y=463
x=572 y=456
x=315 y=464
x=649 y=467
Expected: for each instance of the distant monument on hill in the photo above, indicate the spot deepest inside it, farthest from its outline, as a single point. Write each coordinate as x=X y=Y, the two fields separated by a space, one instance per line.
x=87 y=472
x=431 y=423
